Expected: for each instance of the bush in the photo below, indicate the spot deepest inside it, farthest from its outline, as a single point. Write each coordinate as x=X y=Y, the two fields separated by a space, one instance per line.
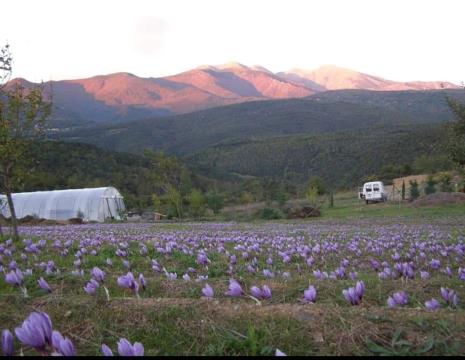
x=430 y=187
x=414 y=192
x=269 y=214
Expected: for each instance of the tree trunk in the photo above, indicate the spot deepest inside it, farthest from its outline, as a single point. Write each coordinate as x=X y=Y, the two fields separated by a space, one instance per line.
x=14 y=223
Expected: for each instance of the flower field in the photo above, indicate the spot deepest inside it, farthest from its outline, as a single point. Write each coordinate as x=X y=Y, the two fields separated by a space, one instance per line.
x=304 y=288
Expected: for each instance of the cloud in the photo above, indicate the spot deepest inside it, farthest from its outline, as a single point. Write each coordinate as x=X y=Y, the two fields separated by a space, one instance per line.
x=148 y=34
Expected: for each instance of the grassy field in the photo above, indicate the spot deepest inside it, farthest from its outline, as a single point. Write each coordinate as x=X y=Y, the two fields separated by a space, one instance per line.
x=347 y=206
x=171 y=317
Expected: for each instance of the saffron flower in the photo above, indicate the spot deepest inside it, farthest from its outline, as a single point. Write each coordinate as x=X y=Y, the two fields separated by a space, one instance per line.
x=432 y=304
x=63 y=346
x=235 y=289
x=354 y=294
x=142 y=281
x=91 y=287
x=97 y=274
x=106 y=351
x=279 y=353
x=310 y=294
x=207 y=291
x=449 y=296
x=35 y=331
x=263 y=293
x=398 y=299
x=7 y=343
x=129 y=282
x=44 y=285
x=126 y=349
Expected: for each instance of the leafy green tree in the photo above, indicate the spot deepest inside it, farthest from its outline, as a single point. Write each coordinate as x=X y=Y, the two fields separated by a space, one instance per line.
x=196 y=203
x=23 y=114
x=215 y=201
x=414 y=192
x=156 y=202
x=445 y=182
x=430 y=187
x=174 y=199
x=318 y=183
x=456 y=132
x=246 y=198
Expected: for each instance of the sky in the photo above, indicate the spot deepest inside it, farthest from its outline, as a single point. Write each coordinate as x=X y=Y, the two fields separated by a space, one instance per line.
x=402 y=40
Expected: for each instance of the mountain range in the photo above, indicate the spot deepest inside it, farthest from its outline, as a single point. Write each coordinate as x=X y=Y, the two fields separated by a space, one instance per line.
x=124 y=97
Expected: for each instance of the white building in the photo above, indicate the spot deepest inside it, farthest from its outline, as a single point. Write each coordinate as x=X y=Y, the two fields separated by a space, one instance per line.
x=97 y=204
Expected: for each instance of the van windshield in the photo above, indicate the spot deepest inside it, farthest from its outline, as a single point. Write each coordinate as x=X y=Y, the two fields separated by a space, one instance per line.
x=375 y=188
x=368 y=188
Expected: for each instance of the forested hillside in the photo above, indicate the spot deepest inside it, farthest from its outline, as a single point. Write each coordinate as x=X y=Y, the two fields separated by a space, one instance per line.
x=342 y=159
x=334 y=112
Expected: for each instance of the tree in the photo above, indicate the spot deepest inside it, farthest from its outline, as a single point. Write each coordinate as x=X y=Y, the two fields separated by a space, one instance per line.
x=318 y=183
x=23 y=114
x=414 y=192
x=445 y=182
x=196 y=203
x=214 y=201
x=171 y=177
x=403 y=189
x=430 y=187
x=456 y=132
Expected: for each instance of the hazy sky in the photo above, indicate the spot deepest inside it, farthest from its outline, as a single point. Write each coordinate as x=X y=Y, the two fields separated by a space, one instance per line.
x=399 y=40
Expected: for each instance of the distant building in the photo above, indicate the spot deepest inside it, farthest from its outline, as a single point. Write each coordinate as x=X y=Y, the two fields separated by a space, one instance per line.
x=93 y=204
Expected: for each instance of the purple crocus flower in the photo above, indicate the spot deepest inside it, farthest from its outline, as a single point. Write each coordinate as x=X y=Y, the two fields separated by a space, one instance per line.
x=424 y=275
x=317 y=274
x=256 y=292
x=354 y=294
x=142 y=281
x=35 y=331
x=44 y=285
x=202 y=259
x=106 y=351
x=449 y=296
x=63 y=346
x=461 y=272
x=126 y=349
x=97 y=274
x=432 y=304
x=127 y=281
x=109 y=263
x=435 y=264
x=14 y=277
x=398 y=299
x=267 y=273
x=360 y=289
x=279 y=353
x=266 y=292
x=7 y=343
x=234 y=288
x=91 y=287
x=310 y=294
x=207 y=291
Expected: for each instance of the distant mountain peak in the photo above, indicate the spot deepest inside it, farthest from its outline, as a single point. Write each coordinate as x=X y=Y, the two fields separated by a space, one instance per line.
x=231 y=65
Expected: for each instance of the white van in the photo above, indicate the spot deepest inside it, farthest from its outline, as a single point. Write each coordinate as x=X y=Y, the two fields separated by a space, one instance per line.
x=373 y=192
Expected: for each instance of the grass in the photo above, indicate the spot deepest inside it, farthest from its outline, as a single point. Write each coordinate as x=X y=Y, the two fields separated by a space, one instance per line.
x=347 y=206
x=171 y=318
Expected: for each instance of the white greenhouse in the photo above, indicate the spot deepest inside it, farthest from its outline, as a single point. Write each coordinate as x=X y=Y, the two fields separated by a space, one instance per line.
x=97 y=204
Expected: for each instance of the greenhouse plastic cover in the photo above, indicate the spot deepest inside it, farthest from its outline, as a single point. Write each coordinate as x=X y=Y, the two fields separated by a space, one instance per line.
x=95 y=204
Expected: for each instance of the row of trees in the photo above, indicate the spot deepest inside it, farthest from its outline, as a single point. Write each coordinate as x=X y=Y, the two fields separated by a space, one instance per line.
x=175 y=193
